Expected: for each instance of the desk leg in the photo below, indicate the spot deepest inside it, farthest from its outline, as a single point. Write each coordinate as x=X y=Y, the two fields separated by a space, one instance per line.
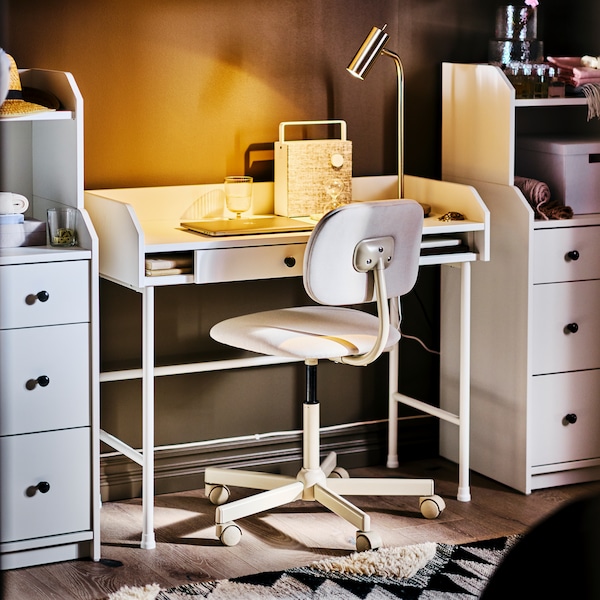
x=464 y=492
x=463 y=418
x=393 y=373
x=148 y=541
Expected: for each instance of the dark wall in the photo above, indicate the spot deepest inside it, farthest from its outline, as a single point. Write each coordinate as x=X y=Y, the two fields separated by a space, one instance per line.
x=177 y=91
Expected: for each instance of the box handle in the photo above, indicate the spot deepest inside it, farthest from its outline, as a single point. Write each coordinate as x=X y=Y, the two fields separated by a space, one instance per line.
x=594 y=158
x=285 y=124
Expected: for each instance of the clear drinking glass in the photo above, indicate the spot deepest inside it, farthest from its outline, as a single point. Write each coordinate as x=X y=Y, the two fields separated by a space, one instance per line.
x=62 y=226
x=238 y=194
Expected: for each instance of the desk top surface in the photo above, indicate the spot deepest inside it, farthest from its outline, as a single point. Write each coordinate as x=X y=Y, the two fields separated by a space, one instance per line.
x=134 y=222
x=168 y=235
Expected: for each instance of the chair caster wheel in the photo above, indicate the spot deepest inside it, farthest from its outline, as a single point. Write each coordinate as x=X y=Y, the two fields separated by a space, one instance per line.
x=432 y=506
x=339 y=473
x=229 y=534
x=367 y=540
x=217 y=494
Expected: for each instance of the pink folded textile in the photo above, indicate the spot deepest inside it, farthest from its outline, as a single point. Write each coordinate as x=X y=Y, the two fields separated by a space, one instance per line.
x=537 y=193
x=571 y=70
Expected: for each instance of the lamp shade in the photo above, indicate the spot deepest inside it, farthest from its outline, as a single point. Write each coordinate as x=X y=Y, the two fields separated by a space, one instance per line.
x=369 y=51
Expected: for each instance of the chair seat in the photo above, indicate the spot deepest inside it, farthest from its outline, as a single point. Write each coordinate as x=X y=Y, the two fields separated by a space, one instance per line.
x=319 y=332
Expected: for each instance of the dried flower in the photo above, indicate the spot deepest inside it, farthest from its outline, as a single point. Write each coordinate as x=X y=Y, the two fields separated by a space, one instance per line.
x=532 y=3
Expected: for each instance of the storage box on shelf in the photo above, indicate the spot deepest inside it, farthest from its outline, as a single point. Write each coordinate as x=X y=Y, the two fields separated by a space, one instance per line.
x=535 y=360
x=49 y=496
x=569 y=165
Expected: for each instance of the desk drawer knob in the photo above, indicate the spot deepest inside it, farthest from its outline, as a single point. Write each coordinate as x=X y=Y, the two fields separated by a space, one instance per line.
x=572 y=328
x=571 y=418
x=573 y=255
x=289 y=261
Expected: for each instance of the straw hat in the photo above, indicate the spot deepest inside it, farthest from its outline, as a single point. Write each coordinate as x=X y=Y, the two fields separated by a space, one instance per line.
x=16 y=103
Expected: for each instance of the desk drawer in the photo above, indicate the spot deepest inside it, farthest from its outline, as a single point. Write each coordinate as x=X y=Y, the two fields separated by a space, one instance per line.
x=61 y=459
x=566 y=254
x=44 y=378
x=566 y=327
x=252 y=262
x=554 y=438
x=44 y=294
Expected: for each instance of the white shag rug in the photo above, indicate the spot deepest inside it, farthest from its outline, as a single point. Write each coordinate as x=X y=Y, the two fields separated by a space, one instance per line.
x=148 y=592
x=397 y=563
x=423 y=571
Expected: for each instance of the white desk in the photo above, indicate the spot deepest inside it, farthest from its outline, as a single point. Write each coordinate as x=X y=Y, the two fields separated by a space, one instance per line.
x=133 y=223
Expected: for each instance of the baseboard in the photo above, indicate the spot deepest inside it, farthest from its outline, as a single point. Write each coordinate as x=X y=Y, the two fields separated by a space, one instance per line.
x=180 y=468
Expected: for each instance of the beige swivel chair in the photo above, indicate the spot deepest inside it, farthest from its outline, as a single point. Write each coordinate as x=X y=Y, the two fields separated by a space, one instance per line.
x=358 y=253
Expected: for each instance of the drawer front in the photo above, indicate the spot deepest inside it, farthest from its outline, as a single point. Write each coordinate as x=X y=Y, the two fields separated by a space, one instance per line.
x=255 y=262
x=44 y=294
x=556 y=401
x=558 y=309
x=44 y=378
x=566 y=254
x=60 y=459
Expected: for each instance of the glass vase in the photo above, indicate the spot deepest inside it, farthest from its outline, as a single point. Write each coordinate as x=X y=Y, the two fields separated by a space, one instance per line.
x=516 y=23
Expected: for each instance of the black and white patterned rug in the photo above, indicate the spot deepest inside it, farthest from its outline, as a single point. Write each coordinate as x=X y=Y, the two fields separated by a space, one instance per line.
x=423 y=571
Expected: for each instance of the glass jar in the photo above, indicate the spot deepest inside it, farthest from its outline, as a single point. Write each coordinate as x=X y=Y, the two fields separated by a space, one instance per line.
x=540 y=80
x=516 y=22
x=556 y=87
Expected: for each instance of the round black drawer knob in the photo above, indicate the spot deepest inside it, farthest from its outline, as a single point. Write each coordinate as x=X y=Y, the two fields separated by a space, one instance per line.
x=42 y=381
x=43 y=486
x=571 y=418
x=572 y=328
x=573 y=255
x=289 y=261
x=43 y=296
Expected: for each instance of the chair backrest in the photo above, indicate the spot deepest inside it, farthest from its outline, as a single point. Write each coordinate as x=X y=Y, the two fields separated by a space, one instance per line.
x=330 y=276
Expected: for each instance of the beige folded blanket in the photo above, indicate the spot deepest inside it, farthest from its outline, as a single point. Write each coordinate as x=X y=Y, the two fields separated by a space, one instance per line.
x=537 y=193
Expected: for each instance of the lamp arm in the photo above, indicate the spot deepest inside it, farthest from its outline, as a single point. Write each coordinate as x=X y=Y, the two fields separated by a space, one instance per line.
x=400 y=76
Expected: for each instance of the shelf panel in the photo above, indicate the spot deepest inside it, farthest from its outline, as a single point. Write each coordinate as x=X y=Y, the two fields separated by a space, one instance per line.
x=38 y=254
x=551 y=102
x=583 y=220
x=53 y=115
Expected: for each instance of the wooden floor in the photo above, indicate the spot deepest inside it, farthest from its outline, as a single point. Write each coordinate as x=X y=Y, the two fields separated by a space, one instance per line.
x=187 y=549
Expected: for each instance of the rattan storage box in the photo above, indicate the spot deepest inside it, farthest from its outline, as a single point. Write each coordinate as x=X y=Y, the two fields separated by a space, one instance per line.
x=570 y=166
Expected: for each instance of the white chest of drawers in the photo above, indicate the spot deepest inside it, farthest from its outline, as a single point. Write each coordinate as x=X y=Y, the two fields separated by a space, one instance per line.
x=49 y=413
x=565 y=361
x=45 y=410
x=535 y=412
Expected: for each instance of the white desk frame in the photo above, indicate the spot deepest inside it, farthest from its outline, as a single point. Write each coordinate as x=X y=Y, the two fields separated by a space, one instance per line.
x=132 y=223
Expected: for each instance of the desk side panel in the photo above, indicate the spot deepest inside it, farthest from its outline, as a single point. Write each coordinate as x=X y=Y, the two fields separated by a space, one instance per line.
x=444 y=196
x=121 y=246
